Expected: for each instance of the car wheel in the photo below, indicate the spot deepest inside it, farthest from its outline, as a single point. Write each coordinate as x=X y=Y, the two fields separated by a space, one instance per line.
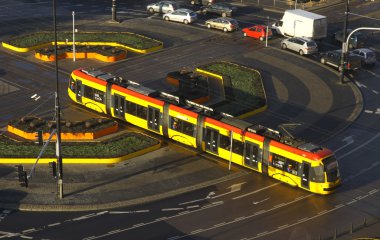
x=166 y=18
x=283 y=46
x=208 y=25
x=186 y=21
x=323 y=61
x=225 y=30
x=244 y=34
x=261 y=38
x=224 y=14
x=151 y=10
x=301 y=52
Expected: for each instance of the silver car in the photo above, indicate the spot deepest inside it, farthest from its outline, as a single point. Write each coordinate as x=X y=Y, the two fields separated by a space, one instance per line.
x=368 y=56
x=223 y=23
x=162 y=7
x=183 y=15
x=300 y=45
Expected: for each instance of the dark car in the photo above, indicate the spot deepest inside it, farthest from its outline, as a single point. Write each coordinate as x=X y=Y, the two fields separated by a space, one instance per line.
x=223 y=9
x=356 y=40
x=333 y=58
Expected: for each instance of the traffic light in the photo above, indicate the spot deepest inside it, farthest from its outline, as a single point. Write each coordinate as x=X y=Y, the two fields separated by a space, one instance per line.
x=22 y=175
x=40 y=137
x=53 y=169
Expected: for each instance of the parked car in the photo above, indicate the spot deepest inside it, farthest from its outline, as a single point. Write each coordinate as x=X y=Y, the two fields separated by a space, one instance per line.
x=162 y=7
x=300 y=45
x=183 y=15
x=258 y=32
x=368 y=56
x=202 y=2
x=333 y=58
x=223 y=23
x=356 y=40
x=223 y=9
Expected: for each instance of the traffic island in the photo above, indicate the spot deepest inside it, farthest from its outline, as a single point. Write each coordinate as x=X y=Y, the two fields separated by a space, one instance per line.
x=93 y=141
x=244 y=93
x=95 y=44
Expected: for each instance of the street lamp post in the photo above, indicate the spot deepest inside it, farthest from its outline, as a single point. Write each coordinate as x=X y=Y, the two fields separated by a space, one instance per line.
x=57 y=113
x=266 y=37
x=114 y=10
x=344 y=47
x=73 y=36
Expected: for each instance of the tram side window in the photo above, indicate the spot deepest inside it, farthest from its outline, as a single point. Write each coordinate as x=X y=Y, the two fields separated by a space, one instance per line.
x=224 y=142
x=141 y=111
x=182 y=126
x=93 y=94
x=72 y=84
x=237 y=147
x=98 y=96
x=291 y=166
x=278 y=161
x=131 y=108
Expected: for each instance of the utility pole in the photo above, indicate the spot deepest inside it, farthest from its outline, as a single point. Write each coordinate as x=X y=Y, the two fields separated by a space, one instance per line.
x=114 y=11
x=344 y=47
x=57 y=112
x=73 y=36
x=266 y=35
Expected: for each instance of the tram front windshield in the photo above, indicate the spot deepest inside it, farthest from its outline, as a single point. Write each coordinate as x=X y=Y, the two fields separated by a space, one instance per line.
x=331 y=168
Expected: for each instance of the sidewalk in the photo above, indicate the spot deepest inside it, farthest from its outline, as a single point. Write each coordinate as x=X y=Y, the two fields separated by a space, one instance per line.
x=166 y=172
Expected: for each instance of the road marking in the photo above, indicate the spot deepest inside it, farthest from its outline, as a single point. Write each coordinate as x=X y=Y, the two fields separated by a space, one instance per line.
x=193 y=206
x=360 y=146
x=375 y=92
x=54 y=224
x=247 y=194
x=261 y=201
x=349 y=140
x=126 y=212
x=114 y=231
x=171 y=209
x=29 y=230
x=368 y=111
x=373 y=191
x=283 y=226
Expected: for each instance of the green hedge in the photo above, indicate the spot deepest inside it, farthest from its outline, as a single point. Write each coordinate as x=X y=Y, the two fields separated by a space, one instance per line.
x=243 y=87
x=123 y=145
x=128 y=39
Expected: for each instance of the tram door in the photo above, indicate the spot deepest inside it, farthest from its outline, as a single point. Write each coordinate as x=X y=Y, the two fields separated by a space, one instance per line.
x=305 y=175
x=79 y=90
x=211 y=140
x=154 y=119
x=119 y=106
x=251 y=155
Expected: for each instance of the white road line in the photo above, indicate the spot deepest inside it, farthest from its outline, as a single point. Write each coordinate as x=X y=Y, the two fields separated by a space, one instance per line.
x=54 y=224
x=283 y=226
x=139 y=225
x=220 y=224
x=114 y=231
x=160 y=219
x=27 y=237
x=171 y=209
x=193 y=206
x=259 y=190
x=29 y=230
x=303 y=219
x=375 y=92
x=368 y=111
x=373 y=191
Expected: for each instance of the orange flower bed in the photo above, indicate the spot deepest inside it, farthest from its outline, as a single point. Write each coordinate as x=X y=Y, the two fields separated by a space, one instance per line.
x=64 y=136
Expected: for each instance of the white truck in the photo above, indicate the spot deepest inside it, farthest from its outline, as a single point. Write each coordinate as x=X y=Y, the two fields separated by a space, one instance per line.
x=301 y=23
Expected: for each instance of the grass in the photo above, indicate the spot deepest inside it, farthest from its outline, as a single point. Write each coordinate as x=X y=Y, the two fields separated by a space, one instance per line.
x=243 y=87
x=128 y=39
x=126 y=144
x=102 y=50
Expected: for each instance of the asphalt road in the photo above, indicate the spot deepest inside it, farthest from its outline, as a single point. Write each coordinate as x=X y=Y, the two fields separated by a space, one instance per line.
x=248 y=207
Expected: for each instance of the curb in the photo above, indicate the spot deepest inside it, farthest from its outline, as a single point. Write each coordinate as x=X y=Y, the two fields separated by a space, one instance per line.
x=127 y=203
